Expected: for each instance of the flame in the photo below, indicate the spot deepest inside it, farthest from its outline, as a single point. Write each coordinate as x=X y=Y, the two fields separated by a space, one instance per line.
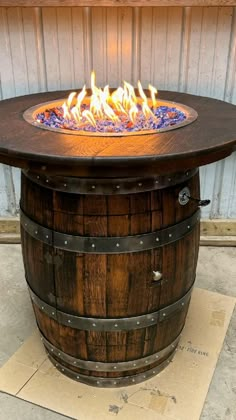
x=70 y=98
x=95 y=107
x=76 y=114
x=153 y=92
x=141 y=92
x=129 y=96
x=117 y=100
x=133 y=113
x=81 y=97
x=145 y=108
x=66 y=112
x=103 y=105
x=89 y=116
x=147 y=111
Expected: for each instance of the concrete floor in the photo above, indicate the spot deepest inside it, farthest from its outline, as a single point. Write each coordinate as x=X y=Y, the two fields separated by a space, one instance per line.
x=216 y=272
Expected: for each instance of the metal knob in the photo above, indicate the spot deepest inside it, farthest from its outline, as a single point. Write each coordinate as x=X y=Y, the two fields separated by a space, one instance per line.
x=156 y=276
x=184 y=197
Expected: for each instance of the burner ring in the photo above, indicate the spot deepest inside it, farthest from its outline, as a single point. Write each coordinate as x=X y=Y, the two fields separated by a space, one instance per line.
x=30 y=116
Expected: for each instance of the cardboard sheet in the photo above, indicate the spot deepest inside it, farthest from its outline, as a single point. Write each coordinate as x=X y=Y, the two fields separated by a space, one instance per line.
x=177 y=393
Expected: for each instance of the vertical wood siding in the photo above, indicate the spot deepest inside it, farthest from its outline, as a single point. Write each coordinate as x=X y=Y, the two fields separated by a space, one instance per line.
x=188 y=49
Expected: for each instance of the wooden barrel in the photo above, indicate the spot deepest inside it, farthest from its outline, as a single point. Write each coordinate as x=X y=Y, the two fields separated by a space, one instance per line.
x=110 y=266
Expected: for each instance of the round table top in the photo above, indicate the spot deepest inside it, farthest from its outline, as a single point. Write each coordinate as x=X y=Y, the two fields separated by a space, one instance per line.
x=211 y=137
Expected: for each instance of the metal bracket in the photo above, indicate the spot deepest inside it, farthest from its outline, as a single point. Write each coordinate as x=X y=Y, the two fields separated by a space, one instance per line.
x=110 y=324
x=109 y=366
x=109 y=186
x=111 y=244
x=112 y=382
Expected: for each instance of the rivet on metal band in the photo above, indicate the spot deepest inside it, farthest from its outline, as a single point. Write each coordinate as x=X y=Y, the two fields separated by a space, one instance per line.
x=110 y=324
x=112 y=244
x=109 y=367
x=111 y=382
x=107 y=186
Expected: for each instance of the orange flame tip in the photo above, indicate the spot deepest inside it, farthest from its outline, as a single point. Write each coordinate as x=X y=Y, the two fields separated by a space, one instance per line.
x=153 y=92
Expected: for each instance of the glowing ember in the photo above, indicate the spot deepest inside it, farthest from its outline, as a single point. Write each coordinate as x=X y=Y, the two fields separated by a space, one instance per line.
x=119 y=111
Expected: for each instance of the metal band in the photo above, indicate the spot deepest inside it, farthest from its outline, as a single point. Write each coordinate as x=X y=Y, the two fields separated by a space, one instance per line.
x=113 y=244
x=111 y=382
x=109 y=367
x=110 y=324
x=107 y=186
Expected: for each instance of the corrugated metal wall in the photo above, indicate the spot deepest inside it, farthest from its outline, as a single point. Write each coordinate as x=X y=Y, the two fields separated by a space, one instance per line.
x=186 y=49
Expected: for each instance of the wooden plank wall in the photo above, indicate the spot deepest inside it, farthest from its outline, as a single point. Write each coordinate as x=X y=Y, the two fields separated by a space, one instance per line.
x=175 y=48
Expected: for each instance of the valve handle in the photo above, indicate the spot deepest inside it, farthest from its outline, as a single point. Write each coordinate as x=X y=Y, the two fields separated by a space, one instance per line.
x=201 y=203
x=184 y=197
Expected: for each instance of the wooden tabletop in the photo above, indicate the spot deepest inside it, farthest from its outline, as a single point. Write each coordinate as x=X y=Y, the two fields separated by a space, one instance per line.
x=211 y=137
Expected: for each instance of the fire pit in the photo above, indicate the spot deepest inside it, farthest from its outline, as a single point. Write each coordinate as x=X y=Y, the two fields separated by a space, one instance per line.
x=122 y=111
x=110 y=235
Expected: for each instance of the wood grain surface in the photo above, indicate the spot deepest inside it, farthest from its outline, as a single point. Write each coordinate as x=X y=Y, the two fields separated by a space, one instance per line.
x=114 y=3
x=115 y=285
x=211 y=137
